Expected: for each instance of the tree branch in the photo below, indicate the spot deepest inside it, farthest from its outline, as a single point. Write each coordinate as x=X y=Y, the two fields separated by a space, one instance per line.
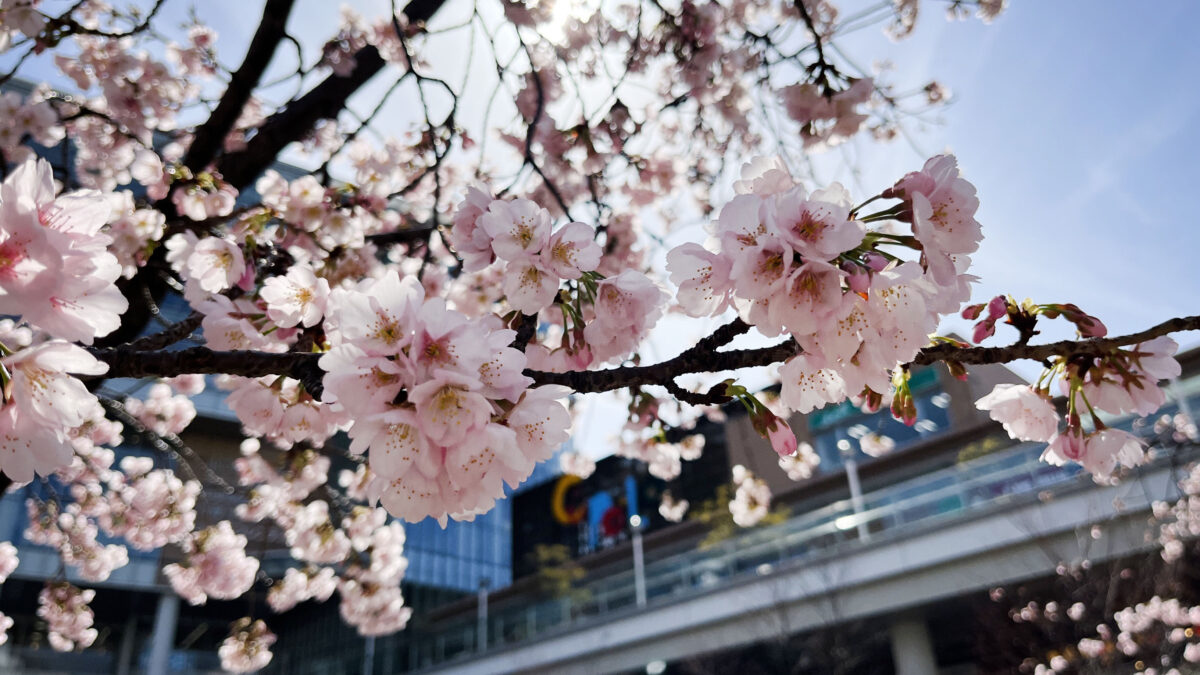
x=1017 y=352
x=128 y=362
x=323 y=101
x=700 y=358
x=172 y=334
x=210 y=135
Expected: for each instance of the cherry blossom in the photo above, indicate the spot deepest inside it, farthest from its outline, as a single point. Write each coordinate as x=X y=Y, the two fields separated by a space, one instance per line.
x=43 y=403
x=751 y=499
x=876 y=445
x=1025 y=414
x=671 y=509
x=55 y=271
x=217 y=566
x=1098 y=452
x=801 y=464
x=248 y=647
x=65 y=610
x=627 y=307
x=297 y=298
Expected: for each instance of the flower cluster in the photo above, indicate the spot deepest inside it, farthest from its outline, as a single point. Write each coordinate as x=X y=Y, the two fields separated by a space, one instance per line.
x=73 y=534
x=467 y=422
x=827 y=118
x=43 y=405
x=56 y=272
x=299 y=585
x=217 y=566
x=162 y=411
x=806 y=265
x=1119 y=383
x=664 y=460
x=65 y=610
x=671 y=509
x=148 y=507
x=752 y=498
x=248 y=647
x=1180 y=521
x=371 y=598
x=801 y=464
x=534 y=259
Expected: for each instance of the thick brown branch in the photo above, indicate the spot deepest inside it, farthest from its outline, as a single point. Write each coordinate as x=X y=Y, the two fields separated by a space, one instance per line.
x=172 y=334
x=694 y=360
x=210 y=135
x=1017 y=352
x=324 y=101
x=416 y=233
x=701 y=358
x=126 y=362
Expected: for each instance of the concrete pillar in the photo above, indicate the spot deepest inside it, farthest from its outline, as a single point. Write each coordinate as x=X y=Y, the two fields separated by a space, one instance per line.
x=368 y=665
x=128 y=640
x=912 y=648
x=481 y=616
x=162 y=641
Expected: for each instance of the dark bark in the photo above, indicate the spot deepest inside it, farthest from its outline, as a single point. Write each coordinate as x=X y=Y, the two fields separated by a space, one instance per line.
x=324 y=101
x=701 y=358
x=211 y=135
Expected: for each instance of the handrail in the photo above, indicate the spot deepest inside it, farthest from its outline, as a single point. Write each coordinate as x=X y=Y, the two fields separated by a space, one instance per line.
x=951 y=492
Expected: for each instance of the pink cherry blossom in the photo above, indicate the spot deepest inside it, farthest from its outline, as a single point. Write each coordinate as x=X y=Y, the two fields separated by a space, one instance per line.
x=528 y=287
x=952 y=204
x=65 y=610
x=217 y=566
x=55 y=269
x=1098 y=452
x=248 y=647
x=627 y=307
x=809 y=384
x=702 y=278
x=44 y=403
x=216 y=264
x=297 y=298
x=572 y=251
x=801 y=464
x=518 y=228
x=448 y=409
x=818 y=226
x=468 y=239
x=1025 y=414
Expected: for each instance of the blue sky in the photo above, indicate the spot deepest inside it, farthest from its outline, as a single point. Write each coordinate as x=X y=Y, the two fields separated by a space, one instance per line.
x=1078 y=121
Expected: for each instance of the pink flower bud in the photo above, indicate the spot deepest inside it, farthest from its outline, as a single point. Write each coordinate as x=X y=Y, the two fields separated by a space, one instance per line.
x=875 y=261
x=859 y=279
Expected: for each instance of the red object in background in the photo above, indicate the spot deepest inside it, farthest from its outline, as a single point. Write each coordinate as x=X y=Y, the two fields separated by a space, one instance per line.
x=613 y=521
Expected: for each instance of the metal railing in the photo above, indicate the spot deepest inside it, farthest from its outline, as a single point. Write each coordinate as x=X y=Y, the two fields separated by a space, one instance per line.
x=965 y=489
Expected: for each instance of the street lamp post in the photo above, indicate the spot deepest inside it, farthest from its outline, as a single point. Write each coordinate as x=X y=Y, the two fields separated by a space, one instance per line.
x=856 y=496
x=639 y=564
